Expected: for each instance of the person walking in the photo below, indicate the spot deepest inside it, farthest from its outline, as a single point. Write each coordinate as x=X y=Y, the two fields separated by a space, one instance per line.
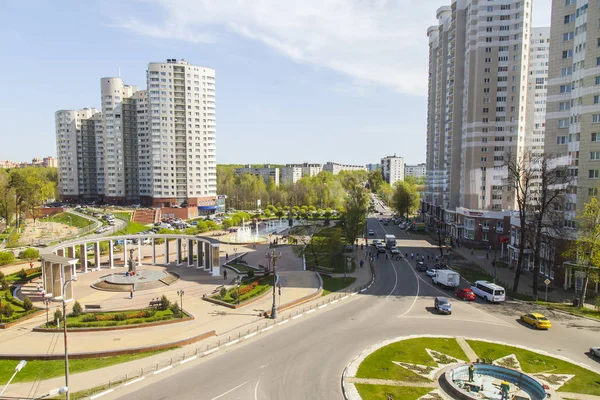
x=471 y=372
x=412 y=256
x=226 y=256
x=225 y=274
x=361 y=263
x=131 y=294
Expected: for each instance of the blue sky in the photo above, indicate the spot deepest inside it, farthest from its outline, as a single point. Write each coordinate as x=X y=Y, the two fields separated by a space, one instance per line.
x=317 y=80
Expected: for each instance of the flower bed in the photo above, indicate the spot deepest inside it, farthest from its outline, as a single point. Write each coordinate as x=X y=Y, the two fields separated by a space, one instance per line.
x=247 y=291
x=119 y=318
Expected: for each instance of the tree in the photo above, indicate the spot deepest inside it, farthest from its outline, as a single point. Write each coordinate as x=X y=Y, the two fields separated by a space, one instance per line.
x=29 y=254
x=355 y=212
x=77 y=310
x=406 y=200
x=585 y=250
x=386 y=193
x=32 y=188
x=375 y=180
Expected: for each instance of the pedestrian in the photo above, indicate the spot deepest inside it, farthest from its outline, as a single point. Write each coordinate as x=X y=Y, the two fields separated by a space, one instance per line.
x=131 y=294
x=504 y=389
x=225 y=274
x=487 y=256
x=471 y=372
x=427 y=257
x=412 y=256
x=417 y=256
x=38 y=287
x=226 y=256
x=422 y=258
x=406 y=255
x=386 y=255
x=361 y=263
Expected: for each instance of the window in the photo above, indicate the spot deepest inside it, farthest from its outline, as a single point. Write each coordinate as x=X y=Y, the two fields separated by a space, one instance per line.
x=568 y=36
x=595 y=137
x=596 y=118
x=596 y=99
x=563 y=106
x=567 y=54
x=563 y=123
x=594 y=155
x=569 y=18
x=592 y=191
x=565 y=88
x=594 y=174
x=598 y=80
x=561 y=140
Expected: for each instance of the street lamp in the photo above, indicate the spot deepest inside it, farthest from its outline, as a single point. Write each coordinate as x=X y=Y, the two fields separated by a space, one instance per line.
x=54 y=392
x=19 y=367
x=47 y=303
x=239 y=282
x=68 y=393
x=273 y=257
x=180 y=293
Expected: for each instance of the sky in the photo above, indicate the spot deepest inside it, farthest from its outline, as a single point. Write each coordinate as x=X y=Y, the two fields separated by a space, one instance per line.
x=296 y=80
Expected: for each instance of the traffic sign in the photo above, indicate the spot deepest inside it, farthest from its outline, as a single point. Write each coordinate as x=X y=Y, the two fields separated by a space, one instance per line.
x=547 y=281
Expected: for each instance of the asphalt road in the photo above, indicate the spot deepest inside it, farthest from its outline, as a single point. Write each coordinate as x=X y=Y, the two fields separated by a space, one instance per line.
x=305 y=358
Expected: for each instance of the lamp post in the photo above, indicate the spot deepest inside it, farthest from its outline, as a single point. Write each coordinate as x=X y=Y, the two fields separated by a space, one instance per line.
x=180 y=293
x=19 y=367
x=273 y=257
x=184 y=245
x=54 y=392
x=238 y=283
x=47 y=303
x=68 y=393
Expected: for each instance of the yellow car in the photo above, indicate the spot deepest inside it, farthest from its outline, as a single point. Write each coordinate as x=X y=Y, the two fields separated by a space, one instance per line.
x=536 y=320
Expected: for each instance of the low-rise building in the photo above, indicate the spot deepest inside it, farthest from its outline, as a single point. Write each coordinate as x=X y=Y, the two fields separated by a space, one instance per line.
x=392 y=168
x=417 y=171
x=336 y=168
x=290 y=174
x=266 y=172
x=373 y=167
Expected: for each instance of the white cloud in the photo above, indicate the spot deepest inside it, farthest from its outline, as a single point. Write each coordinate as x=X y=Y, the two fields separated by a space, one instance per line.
x=377 y=41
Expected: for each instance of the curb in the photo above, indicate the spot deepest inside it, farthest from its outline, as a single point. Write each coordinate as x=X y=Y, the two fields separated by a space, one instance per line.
x=564 y=312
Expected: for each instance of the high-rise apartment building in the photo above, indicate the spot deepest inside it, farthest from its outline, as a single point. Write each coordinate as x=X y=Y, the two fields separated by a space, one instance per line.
x=573 y=107
x=155 y=146
x=76 y=153
x=539 y=46
x=392 y=168
x=416 y=171
x=290 y=174
x=477 y=106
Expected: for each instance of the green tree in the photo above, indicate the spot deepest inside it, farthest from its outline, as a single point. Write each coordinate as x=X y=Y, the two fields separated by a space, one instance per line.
x=29 y=254
x=405 y=199
x=386 y=193
x=355 y=212
x=32 y=188
x=77 y=309
x=375 y=180
x=585 y=250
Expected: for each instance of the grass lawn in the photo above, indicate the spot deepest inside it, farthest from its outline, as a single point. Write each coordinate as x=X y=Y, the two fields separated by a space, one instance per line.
x=334 y=284
x=16 y=305
x=584 y=381
x=586 y=312
x=132 y=227
x=70 y=219
x=263 y=285
x=105 y=319
x=379 y=392
x=379 y=364
x=42 y=370
x=32 y=273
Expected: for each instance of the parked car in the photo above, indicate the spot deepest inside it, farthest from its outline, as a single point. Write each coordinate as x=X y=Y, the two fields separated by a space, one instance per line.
x=536 y=320
x=465 y=294
x=441 y=266
x=431 y=272
x=421 y=266
x=595 y=351
x=442 y=305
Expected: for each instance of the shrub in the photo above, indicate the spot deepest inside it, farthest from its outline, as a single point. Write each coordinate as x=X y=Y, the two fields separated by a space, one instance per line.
x=3 y=282
x=27 y=304
x=58 y=315
x=149 y=313
x=223 y=292
x=164 y=303
x=77 y=309
x=120 y=317
x=22 y=274
x=250 y=273
x=89 y=318
x=234 y=294
x=6 y=257
x=7 y=311
x=29 y=254
x=175 y=309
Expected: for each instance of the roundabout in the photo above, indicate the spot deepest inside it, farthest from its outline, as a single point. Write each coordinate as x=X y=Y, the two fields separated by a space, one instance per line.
x=442 y=367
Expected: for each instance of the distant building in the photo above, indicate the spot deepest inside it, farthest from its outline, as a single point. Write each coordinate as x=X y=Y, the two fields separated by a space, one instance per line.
x=373 y=167
x=418 y=171
x=50 y=162
x=290 y=174
x=311 y=169
x=392 y=168
x=336 y=168
x=265 y=172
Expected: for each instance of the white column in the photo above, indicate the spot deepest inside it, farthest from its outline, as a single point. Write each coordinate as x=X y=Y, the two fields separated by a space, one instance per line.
x=139 y=263
x=97 y=255
x=125 y=253
x=153 y=252
x=111 y=256
x=83 y=258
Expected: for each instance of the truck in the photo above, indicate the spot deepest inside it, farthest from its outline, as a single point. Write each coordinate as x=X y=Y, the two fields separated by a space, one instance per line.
x=390 y=241
x=447 y=278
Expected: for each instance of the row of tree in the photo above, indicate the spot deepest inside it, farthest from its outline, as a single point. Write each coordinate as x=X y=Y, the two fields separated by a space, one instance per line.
x=22 y=190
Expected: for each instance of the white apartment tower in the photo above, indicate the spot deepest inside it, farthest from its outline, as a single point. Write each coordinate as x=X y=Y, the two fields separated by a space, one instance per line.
x=76 y=132
x=477 y=101
x=573 y=107
x=538 y=86
x=179 y=162
x=392 y=168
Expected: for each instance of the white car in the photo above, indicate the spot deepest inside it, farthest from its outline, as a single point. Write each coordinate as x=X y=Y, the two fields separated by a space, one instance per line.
x=431 y=272
x=595 y=351
x=394 y=251
x=371 y=232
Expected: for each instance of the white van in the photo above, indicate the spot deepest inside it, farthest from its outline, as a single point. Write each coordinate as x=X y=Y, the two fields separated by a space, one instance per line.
x=489 y=291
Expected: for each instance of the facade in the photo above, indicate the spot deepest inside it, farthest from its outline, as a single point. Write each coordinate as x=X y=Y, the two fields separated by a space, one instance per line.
x=373 y=167
x=538 y=80
x=311 y=169
x=417 y=171
x=75 y=148
x=336 y=168
x=477 y=106
x=155 y=146
x=573 y=107
x=290 y=174
x=266 y=172
x=392 y=168
x=50 y=162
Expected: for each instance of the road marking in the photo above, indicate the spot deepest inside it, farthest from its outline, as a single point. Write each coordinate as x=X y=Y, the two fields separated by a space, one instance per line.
x=311 y=311
x=229 y=391
x=266 y=329
x=283 y=322
x=323 y=305
x=333 y=302
x=163 y=370
x=505 y=324
x=344 y=298
x=395 y=280
x=134 y=381
x=362 y=290
x=187 y=360
x=250 y=335
x=210 y=351
x=256 y=390
x=101 y=394
x=232 y=342
x=355 y=293
x=298 y=316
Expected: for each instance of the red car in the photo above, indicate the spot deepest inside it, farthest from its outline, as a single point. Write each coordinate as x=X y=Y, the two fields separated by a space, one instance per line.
x=465 y=294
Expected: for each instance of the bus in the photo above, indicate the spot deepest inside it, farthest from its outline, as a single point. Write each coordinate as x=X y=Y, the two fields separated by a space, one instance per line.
x=489 y=291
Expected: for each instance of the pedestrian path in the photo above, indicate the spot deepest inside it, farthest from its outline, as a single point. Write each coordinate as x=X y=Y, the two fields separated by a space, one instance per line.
x=467 y=349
